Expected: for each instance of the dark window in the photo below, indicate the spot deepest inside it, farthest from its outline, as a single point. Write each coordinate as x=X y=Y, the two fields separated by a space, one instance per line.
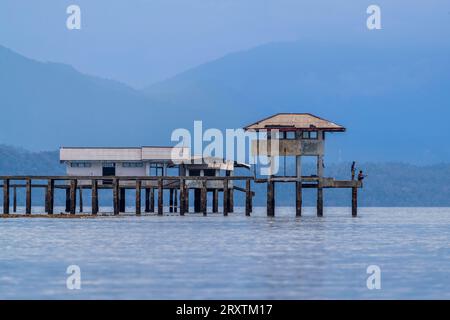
x=290 y=135
x=80 y=164
x=132 y=164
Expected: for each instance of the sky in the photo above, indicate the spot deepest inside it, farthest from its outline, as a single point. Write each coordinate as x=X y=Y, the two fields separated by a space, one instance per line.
x=140 y=42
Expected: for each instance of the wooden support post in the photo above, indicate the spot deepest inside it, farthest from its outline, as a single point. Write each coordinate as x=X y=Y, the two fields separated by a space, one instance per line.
x=225 y=197
x=14 y=199
x=248 y=198
x=94 y=197
x=80 y=190
x=298 y=198
x=147 y=199
x=215 y=199
x=28 y=197
x=73 y=196
x=231 y=200
x=186 y=198
x=116 y=191
x=152 y=200
x=122 y=199
x=203 y=198
x=170 y=200
x=175 y=200
x=319 y=200
x=50 y=195
x=160 y=197
x=182 y=197
x=6 y=196
x=270 y=198
x=46 y=200
x=138 y=197
x=67 y=200
x=197 y=200
x=354 y=202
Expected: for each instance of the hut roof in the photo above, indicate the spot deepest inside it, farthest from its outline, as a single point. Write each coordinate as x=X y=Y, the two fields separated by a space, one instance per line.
x=295 y=122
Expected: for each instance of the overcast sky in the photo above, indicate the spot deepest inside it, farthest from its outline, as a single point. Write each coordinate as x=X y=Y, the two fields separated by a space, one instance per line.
x=143 y=41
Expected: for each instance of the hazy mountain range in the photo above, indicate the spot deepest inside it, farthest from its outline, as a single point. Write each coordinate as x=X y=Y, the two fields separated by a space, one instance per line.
x=394 y=101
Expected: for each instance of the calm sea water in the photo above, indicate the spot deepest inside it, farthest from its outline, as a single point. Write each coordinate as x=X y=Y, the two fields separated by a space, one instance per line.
x=234 y=257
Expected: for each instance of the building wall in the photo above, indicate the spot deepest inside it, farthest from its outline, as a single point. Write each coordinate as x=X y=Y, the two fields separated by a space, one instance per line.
x=127 y=171
x=94 y=170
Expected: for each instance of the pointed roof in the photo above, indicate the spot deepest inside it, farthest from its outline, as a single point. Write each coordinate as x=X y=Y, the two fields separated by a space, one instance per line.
x=295 y=121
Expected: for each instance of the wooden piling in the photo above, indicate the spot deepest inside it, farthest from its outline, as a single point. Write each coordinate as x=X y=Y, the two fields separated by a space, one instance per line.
x=170 y=200
x=80 y=191
x=116 y=191
x=14 y=199
x=248 y=198
x=122 y=199
x=354 y=202
x=319 y=200
x=186 y=198
x=50 y=195
x=73 y=196
x=160 y=197
x=6 y=196
x=46 y=200
x=94 y=196
x=215 y=200
x=203 y=198
x=298 y=198
x=175 y=200
x=67 y=200
x=28 y=197
x=138 y=197
x=147 y=199
x=225 y=197
x=152 y=200
x=182 y=197
x=270 y=198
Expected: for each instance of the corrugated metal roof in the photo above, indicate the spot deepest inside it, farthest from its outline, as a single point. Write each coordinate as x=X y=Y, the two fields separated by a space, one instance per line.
x=100 y=154
x=295 y=121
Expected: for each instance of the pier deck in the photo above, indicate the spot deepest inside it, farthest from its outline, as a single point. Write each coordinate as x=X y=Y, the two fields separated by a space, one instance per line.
x=178 y=187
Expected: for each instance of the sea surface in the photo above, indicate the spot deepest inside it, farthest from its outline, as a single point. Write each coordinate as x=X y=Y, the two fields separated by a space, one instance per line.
x=234 y=257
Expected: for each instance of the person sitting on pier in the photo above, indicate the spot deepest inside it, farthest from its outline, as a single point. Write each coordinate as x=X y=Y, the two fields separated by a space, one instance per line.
x=361 y=176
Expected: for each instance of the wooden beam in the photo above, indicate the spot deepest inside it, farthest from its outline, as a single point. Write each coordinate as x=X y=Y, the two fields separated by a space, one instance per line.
x=94 y=196
x=203 y=199
x=170 y=200
x=354 y=202
x=248 y=198
x=73 y=196
x=175 y=200
x=225 y=197
x=50 y=195
x=270 y=198
x=138 y=197
x=28 y=197
x=147 y=199
x=152 y=200
x=116 y=191
x=80 y=191
x=298 y=198
x=67 y=200
x=14 y=199
x=182 y=197
x=6 y=196
x=160 y=197
x=215 y=199
x=319 y=201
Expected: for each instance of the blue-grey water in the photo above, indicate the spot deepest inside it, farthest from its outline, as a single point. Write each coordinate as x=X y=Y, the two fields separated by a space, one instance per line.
x=234 y=257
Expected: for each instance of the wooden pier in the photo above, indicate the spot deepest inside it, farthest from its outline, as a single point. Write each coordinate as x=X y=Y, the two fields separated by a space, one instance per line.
x=178 y=187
